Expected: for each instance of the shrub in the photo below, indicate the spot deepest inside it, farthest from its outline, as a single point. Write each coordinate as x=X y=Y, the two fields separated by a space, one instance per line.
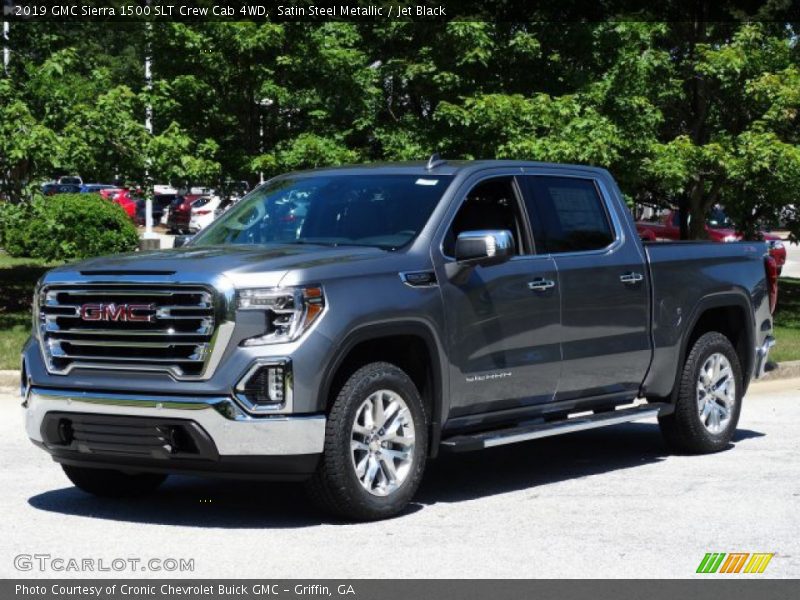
x=66 y=227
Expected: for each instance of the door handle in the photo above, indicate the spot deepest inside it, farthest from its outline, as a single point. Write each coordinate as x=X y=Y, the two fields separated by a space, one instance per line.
x=631 y=278
x=541 y=285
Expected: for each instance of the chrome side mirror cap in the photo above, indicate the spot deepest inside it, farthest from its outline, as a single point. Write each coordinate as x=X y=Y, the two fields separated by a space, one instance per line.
x=484 y=247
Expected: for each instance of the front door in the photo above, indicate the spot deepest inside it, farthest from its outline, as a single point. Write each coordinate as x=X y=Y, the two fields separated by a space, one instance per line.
x=503 y=321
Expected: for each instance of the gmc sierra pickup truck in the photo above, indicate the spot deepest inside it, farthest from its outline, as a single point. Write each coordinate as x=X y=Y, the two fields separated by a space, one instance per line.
x=412 y=309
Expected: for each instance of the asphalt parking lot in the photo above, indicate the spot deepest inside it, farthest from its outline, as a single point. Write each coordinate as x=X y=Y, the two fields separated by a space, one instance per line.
x=604 y=503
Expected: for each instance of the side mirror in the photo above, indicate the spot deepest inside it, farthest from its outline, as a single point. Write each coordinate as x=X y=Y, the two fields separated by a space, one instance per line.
x=181 y=240
x=484 y=247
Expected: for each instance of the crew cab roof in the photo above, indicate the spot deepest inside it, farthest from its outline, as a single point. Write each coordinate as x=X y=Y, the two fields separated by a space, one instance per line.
x=446 y=167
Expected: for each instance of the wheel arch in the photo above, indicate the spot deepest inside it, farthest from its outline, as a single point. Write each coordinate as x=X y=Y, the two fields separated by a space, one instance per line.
x=400 y=343
x=721 y=313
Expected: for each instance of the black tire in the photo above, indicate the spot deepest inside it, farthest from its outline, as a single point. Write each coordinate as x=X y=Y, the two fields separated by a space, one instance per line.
x=683 y=430
x=108 y=483
x=335 y=486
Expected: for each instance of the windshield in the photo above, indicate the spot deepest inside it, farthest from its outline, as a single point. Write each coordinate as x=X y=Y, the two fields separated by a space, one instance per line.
x=717 y=219
x=384 y=211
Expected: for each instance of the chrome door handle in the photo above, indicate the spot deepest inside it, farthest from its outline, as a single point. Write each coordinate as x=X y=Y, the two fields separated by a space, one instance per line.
x=631 y=278
x=541 y=285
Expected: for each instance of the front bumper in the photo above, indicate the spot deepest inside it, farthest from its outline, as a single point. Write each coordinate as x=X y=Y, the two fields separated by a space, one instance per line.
x=237 y=438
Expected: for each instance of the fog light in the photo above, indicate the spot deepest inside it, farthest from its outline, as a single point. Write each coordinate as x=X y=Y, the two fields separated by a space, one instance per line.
x=275 y=384
x=265 y=387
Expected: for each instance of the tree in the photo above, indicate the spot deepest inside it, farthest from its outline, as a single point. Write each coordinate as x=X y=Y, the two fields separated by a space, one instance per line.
x=685 y=114
x=731 y=125
x=27 y=147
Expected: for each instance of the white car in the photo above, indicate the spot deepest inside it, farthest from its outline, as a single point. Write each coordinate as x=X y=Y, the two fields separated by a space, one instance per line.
x=203 y=212
x=161 y=188
x=70 y=180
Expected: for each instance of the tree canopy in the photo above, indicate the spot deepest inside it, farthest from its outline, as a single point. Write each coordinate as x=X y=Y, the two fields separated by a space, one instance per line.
x=683 y=114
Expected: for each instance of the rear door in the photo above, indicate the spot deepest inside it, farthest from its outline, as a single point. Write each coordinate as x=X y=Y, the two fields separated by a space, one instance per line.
x=605 y=342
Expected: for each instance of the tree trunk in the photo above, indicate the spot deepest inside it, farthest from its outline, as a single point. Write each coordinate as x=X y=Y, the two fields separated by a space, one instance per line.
x=683 y=216
x=698 y=207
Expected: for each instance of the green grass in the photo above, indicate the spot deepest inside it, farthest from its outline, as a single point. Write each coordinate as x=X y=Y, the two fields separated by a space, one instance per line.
x=18 y=277
x=787 y=321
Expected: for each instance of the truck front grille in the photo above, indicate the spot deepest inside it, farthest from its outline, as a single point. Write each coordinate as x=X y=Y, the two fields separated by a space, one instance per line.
x=115 y=326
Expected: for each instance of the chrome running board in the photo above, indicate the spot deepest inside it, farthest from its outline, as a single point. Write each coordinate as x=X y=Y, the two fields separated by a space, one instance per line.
x=524 y=433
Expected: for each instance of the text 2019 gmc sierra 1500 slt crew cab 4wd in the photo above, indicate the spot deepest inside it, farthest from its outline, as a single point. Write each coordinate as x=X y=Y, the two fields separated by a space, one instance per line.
x=413 y=309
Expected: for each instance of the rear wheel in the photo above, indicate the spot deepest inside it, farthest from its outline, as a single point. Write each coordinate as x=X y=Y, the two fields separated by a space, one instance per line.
x=110 y=483
x=709 y=398
x=376 y=444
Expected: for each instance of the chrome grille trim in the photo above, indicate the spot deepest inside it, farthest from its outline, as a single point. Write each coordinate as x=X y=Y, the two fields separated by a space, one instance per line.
x=190 y=331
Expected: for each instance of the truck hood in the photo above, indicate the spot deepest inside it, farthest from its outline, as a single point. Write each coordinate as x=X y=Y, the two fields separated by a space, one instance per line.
x=242 y=265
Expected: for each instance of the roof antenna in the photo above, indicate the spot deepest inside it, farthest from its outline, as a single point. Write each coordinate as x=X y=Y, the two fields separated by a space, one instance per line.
x=434 y=161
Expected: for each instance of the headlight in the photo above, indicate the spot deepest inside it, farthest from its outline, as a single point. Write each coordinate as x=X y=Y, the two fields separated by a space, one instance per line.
x=730 y=238
x=289 y=311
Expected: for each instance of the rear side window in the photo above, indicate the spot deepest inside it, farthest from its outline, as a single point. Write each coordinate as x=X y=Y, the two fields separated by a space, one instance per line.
x=568 y=215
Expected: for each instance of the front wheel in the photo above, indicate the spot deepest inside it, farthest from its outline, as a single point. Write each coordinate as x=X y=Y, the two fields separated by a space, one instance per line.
x=709 y=398
x=109 y=483
x=376 y=444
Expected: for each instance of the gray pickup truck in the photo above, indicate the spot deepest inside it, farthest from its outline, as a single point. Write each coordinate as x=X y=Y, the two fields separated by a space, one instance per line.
x=342 y=326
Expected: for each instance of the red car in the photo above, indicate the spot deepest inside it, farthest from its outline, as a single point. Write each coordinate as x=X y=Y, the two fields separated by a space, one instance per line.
x=180 y=212
x=121 y=196
x=719 y=228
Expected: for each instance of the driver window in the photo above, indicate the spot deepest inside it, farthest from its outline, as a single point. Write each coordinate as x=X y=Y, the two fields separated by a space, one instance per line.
x=491 y=204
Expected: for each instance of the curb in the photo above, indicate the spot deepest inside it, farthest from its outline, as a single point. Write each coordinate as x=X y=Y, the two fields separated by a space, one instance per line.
x=9 y=378
x=785 y=370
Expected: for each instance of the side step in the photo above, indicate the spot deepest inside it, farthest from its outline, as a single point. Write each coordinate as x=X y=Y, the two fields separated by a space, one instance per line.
x=523 y=433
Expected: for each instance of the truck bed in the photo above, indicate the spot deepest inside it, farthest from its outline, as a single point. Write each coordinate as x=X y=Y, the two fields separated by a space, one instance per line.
x=690 y=278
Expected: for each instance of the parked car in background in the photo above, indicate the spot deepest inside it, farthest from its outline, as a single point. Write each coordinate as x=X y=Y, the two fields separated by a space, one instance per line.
x=123 y=197
x=70 y=180
x=89 y=188
x=159 y=189
x=50 y=189
x=179 y=213
x=225 y=204
x=160 y=203
x=203 y=212
x=719 y=228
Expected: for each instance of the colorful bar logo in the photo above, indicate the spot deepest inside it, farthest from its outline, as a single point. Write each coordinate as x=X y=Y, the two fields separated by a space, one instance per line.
x=734 y=562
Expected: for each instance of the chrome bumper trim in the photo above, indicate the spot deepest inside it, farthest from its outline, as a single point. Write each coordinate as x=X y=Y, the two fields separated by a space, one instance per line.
x=762 y=355
x=233 y=431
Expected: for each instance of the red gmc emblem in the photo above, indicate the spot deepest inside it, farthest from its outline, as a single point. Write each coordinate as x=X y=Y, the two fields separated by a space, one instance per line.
x=118 y=312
